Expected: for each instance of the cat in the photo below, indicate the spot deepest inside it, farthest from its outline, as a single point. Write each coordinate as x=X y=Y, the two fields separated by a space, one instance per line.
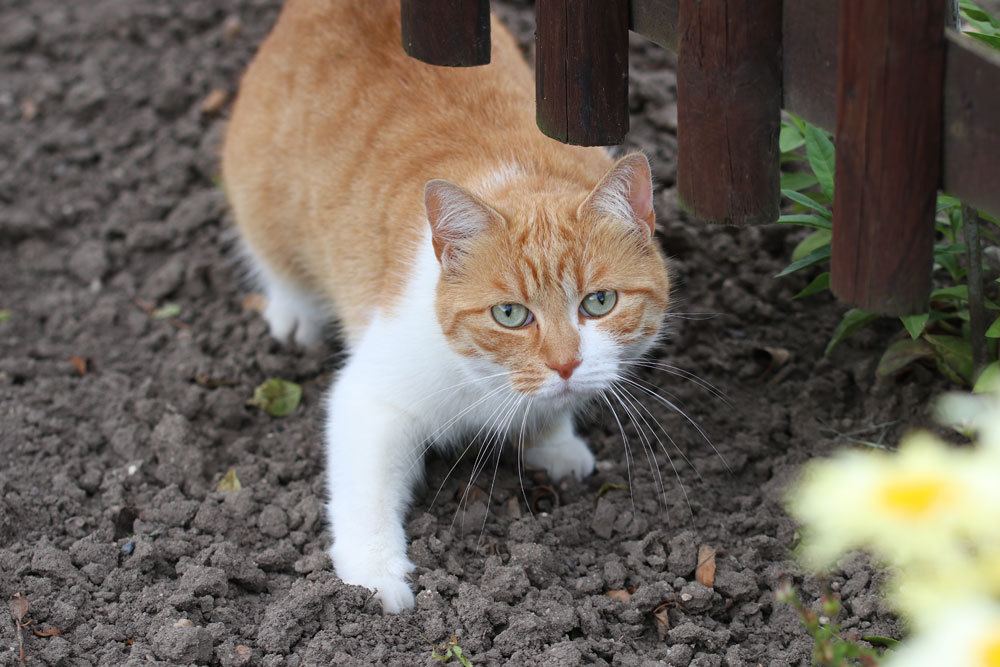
x=487 y=281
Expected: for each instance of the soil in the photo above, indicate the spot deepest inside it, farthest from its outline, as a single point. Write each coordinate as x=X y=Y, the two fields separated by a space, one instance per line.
x=117 y=420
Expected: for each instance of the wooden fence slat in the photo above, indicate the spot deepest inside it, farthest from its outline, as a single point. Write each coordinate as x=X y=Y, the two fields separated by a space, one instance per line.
x=453 y=33
x=889 y=114
x=729 y=109
x=972 y=123
x=581 y=70
x=971 y=89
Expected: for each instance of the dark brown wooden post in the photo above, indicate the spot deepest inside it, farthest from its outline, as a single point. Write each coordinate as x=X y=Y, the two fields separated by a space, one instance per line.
x=889 y=128
x=729 y=109
x=454 y=33
x=581 y=70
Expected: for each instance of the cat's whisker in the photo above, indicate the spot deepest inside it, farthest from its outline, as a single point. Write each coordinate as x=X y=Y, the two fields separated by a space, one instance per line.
x=669 y=404
x=472 y=442
x=432 y=439
x=628 y=467
x=666 y=434
x=696 y=317
x=496 y=467
x=465 y=383
x=492 y=438
x=491 y=426
x=680 y=372
x=663 y=447
x=647 y=446
x=520 y=455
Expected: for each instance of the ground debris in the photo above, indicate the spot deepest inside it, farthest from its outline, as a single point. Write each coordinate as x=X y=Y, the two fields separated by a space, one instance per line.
x=704 y=573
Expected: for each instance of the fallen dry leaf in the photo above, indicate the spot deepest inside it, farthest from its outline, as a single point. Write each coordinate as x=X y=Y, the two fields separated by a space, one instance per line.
x=18 y=607
x=46 y=632
x=167 y=311
x=619 y=594
x=229 y=482
x=277 y=397
x=544 y=498
x=231 y=28
x=80 y=364
x=662 y=619
x=514 y=507
x=705 y=572
x=243 y=654
x=29 y=109
x=214 y=101
x=254 y=302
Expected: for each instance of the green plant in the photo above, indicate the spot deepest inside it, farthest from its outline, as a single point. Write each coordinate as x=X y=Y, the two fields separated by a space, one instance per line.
x=941 y=335
x=450 y=650
x=926 y=513
x=830 y=648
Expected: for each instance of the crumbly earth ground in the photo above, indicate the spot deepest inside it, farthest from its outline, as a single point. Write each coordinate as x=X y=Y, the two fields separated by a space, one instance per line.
x=130 y=351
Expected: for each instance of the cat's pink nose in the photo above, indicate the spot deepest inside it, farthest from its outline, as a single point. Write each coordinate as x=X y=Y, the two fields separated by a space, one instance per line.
x=566 y=369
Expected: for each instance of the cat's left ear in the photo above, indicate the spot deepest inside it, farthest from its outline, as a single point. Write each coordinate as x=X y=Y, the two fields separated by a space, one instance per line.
x=625 y=192
x=457 y=217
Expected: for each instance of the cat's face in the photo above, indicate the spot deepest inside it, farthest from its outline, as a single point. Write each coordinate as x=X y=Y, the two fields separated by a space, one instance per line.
x=556 y=291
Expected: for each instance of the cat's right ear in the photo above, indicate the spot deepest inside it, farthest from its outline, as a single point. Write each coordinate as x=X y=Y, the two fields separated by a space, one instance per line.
x=457 y=217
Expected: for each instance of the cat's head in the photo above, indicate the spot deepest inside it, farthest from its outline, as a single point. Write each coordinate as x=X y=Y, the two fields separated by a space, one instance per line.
x=557 y=288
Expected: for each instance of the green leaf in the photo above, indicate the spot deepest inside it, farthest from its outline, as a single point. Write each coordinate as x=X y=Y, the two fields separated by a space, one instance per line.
x=818 y=284
x=4 y=314
x=901 y=354
x=853 y=320
x=915 y=324
x=815 y=257
x=797 y=180
x=954 y=356
x=819 y=150
x=457 y=651
x=992 y=40
x=277 y=397
x=229 y=482
x=790 y=138
x=607 y=487
x=958 y=293
x=945 y=202
x=989 y=380
x=808 y=202
x=167 y=311
x=805 y=219
x=885 y=642
x=994 y=329
x=811 y=243
x=948 y=249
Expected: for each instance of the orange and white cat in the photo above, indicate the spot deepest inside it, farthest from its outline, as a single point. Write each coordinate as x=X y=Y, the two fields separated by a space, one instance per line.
x=488 y=280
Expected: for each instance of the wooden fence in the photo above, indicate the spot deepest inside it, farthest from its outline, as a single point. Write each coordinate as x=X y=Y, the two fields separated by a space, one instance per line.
x=914 y=105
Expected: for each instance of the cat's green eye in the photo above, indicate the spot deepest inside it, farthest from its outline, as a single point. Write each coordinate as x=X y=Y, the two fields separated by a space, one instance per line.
x=511 y=315
x=599 y=304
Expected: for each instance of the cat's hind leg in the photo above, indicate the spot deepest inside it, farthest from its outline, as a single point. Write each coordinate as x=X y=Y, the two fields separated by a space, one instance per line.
x=291 y=312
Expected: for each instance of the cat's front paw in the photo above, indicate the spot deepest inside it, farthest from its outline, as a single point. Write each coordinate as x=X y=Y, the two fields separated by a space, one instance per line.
x=386 y=578
x=563 y=457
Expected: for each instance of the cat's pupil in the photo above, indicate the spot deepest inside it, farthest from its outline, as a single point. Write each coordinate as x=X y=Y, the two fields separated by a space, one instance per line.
x=600 y=297
x=507 y=309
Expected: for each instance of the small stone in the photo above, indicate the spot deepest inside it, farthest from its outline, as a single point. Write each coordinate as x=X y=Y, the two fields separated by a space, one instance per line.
x=273 y=522
x=89 y=261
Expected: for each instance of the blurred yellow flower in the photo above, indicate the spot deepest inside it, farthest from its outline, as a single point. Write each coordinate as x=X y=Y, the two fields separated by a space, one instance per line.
x=919 y=504
x=964 y=637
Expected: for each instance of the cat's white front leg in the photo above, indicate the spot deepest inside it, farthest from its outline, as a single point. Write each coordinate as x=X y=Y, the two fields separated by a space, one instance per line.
x=370 y=473
x=559 y=451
